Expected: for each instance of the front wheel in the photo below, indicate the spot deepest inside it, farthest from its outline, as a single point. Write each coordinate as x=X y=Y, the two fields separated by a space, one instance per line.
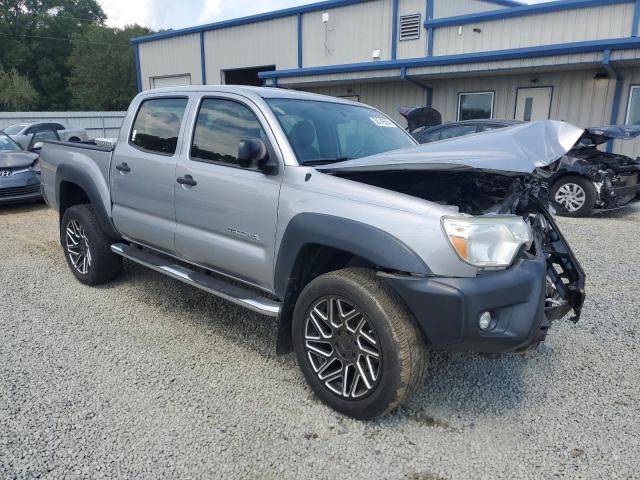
x=86 y=247
x=576 y=195
x=357 y=344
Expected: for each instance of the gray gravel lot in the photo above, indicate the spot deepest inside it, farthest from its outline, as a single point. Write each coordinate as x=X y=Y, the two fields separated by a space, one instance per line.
x=148 y=378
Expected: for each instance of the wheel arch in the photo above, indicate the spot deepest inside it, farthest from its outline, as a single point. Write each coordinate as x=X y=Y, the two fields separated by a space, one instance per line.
x=315 y=244
x=75 y=187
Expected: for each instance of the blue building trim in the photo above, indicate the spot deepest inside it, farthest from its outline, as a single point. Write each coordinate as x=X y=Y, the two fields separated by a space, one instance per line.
x=203 y=61
x=498 y=55
x=136 y=61
x=299 y=40
x=636 y=19
x=394 y=30
x=429 y=29
x=556 y=6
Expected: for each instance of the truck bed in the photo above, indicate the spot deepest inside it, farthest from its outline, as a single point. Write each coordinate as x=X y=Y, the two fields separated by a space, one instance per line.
x=86 y=158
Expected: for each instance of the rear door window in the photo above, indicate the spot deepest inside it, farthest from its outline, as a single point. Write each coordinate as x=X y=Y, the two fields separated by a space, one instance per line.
x=157 y=125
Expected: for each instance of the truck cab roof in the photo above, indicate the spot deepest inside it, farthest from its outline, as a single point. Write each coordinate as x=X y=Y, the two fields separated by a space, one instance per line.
x=247 y=91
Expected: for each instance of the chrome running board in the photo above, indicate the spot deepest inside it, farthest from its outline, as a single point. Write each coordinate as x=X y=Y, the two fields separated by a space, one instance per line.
x=220 y=288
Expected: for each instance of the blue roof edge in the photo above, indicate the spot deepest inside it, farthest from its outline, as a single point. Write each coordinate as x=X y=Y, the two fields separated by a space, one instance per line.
x=519 y=11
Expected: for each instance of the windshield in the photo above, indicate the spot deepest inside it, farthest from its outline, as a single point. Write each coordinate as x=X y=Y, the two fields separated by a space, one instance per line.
x=324 y=132
x=8 y=145
x=14 y=129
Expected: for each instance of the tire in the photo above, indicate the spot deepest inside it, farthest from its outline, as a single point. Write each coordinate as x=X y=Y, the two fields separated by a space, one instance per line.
x=80 y=226
x=583 y=201
x=402 y=358
x=74 y=140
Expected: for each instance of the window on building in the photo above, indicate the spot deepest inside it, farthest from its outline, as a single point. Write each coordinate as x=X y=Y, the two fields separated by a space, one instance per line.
x=220 y=127
x=474 y=105
x=633 y=110
x=410 y=26
x=157 y=125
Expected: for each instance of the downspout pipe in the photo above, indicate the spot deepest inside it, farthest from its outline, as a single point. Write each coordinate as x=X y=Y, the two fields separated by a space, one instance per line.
x=406 y=78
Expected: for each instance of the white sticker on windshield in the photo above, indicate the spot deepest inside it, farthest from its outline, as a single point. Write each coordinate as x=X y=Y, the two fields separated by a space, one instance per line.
x=383 y=122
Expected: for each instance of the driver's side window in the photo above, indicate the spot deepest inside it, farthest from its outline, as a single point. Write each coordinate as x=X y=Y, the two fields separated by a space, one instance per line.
x=220 y=126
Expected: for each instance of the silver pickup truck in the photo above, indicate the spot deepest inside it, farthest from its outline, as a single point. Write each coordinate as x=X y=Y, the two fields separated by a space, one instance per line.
x=369 y=249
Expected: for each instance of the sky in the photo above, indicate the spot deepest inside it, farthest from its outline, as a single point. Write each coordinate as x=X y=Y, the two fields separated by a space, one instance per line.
x=165 y=14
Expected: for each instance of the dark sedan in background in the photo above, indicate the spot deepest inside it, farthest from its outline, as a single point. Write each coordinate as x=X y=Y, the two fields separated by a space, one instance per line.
x=19 y=173
x=587 y=178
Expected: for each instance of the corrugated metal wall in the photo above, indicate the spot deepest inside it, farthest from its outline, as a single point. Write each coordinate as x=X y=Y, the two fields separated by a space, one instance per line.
x=97 y=124
x=171 y=56
x=577 y=97
x=452 y=8
x=413 y=48
x=386 y=96
x=274 y=42
x=350 y=36
x=610 y=21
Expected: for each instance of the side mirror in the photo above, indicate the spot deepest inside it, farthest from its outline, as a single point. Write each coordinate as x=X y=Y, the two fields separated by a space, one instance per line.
x=36 y=147
x=253 y=151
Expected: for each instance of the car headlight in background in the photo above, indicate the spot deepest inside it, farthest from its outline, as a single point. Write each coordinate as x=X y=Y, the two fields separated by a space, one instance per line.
x=487 y=242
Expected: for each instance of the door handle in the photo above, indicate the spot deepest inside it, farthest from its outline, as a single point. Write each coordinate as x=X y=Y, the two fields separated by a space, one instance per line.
x=123 y=167
x=187 y=180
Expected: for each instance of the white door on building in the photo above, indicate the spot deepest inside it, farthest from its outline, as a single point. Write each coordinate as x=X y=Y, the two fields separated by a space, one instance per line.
x=171 y=81
x=533 y=103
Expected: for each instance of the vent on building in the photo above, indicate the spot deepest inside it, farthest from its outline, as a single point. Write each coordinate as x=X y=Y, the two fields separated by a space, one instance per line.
x=410 y=27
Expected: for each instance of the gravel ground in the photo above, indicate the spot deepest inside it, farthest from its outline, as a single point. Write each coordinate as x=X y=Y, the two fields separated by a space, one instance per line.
x=148 y=378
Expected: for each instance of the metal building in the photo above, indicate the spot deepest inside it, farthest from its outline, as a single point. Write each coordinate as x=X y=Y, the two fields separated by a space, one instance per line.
x=572 y=60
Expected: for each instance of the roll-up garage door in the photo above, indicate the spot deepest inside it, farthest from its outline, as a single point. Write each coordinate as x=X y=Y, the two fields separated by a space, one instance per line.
x=171 y=81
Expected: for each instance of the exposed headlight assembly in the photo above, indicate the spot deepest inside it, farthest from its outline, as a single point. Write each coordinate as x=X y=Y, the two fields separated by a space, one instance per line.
x=487 y=242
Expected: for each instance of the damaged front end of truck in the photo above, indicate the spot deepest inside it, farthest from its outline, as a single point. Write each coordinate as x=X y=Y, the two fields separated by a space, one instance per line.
x=496 y=173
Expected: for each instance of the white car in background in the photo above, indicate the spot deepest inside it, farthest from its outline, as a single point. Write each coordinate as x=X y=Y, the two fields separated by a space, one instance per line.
x=29 y=134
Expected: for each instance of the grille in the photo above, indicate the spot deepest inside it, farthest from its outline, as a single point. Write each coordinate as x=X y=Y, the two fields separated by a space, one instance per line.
x=410 y=27
x=18 y=191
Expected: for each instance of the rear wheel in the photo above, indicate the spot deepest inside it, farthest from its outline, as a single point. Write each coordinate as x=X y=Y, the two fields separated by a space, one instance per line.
x=86 y=247
x=357 y=345
x=576 y=195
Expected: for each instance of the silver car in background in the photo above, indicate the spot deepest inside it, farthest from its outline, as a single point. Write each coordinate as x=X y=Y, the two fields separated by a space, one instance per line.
x=28 y=134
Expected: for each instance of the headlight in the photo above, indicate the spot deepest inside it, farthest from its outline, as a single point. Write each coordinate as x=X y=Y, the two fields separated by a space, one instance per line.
x=35 y=167
x=487 y=242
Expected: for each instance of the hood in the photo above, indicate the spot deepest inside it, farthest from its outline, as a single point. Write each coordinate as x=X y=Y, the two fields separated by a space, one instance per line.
x=17 y=159
x=599 y=135
x=421 y=117
x=520 y=149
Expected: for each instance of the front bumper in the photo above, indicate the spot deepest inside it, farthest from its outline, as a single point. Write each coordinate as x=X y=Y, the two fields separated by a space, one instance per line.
x=543 y=285
x=20 y=187
x=448 y=309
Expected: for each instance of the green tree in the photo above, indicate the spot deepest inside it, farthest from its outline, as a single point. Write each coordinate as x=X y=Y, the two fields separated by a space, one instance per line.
x=36 y=42
x=16 y=92
x=102 y=70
